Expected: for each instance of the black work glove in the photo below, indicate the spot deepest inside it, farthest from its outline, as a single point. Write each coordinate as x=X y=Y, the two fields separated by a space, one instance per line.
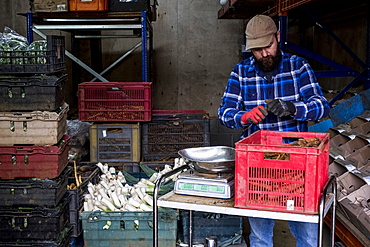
x=281 y=108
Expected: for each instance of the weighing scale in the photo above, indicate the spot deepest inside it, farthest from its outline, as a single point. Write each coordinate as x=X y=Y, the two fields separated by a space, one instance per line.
x=217 y=185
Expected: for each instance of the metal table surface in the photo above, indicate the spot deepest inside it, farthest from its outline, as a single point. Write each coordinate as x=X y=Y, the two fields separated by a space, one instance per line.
x=215 y=205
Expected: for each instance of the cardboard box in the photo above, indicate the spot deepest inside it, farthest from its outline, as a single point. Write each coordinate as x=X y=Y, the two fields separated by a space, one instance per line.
x=339 y=140
x=348 y=183
x=50 y=6
x=349 y=163
x=336 y=168
x=363 y=130
x=365 y=170
x=362 y=156
x=352 y=146
x=355 y=212
x=360 y=119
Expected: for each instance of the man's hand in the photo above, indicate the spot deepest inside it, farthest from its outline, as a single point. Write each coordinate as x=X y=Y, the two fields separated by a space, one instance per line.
x=281 y=108
x=255 y=115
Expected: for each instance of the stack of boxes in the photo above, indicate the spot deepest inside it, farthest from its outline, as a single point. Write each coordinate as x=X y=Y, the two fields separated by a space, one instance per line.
x=126 y=131
x=350 y=162
x=34 y=209
x=93 y=5
x=116 y=110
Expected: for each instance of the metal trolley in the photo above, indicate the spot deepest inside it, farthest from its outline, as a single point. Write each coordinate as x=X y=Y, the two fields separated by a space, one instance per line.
x=212 y=205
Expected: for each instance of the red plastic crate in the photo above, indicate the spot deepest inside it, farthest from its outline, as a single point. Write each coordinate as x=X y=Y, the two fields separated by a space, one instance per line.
x=115 y=101
x=292 y=185
x=34 y=161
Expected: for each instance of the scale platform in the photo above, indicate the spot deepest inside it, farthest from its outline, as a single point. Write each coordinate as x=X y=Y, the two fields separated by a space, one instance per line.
x=215 y=185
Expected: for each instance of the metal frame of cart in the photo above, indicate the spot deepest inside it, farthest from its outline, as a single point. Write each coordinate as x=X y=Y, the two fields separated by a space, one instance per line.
x=328 y=200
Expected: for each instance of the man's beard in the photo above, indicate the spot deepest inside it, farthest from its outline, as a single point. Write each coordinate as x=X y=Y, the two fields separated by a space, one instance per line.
x=269 y=63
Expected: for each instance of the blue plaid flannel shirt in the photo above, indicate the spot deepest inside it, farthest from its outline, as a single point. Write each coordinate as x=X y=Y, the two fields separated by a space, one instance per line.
x=293 y=81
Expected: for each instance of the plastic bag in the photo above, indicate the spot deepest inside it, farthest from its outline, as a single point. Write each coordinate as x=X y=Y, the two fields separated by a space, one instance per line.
x=13 y=37
x=10 y=43
x=80 y=139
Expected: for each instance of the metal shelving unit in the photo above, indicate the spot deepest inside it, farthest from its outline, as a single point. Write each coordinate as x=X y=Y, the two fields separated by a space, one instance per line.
x=238 y=9
x=90 y=25
x=70 y=22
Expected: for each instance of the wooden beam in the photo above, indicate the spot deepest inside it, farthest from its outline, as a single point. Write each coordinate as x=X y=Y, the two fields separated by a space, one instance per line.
x=346 y=232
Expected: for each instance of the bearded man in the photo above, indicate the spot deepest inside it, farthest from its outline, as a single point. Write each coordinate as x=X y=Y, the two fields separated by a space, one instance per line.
x=272 y=90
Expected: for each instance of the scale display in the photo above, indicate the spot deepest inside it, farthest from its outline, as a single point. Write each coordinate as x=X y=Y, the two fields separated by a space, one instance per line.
x=201 y=187
x=205 y=188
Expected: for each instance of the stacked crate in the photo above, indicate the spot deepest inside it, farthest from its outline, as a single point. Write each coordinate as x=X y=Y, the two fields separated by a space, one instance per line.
x=117 y=110
x=83 y=174
x=34 y=209
x=169 y=131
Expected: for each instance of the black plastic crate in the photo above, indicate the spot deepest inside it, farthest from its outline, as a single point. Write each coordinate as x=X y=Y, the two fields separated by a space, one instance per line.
x=77 y=196
x=37 y=92
x=33 y=192
x=34 y=223
x=35 y=62
x=129 y=6
x=63 y=240
x=169 y=132
x=222 y=226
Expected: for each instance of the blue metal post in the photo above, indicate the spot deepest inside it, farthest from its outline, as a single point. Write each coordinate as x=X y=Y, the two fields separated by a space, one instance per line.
x=144 y=55
x=283 y=27
x=29 y=28
x=330 y=33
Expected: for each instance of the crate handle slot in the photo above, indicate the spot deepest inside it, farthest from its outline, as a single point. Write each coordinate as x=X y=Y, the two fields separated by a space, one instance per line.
x=150 y=224
x=122 y=225
x=12 y=126
x=107 y=225
x=136 y=224
x=23 y=93
x=276 y=156
x=176 y=124
x=114 y=130
x=10 y=93
x=58 y=52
